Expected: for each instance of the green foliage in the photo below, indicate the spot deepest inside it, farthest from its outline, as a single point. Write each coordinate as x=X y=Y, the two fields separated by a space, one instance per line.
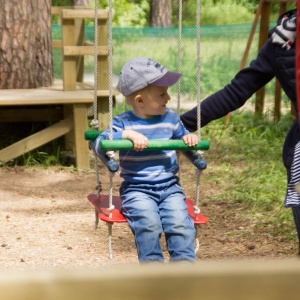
x=126 y=13
x=245 y=163
x=57 y=63
x=224 y=12
x=136 y=13
x=36 y=158
x=212 y=12
x=61 y=2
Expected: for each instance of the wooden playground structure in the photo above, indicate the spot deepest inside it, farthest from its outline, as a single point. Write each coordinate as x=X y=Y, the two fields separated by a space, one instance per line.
x=65 y=102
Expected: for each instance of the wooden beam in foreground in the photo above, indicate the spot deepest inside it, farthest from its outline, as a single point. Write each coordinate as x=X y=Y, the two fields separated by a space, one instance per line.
x=244 y=280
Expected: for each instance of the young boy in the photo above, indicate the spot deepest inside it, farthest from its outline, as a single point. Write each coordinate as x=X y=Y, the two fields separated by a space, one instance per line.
x=152 y=199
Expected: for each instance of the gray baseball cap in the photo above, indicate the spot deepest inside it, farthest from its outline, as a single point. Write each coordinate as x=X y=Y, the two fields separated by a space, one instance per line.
x=140 y=72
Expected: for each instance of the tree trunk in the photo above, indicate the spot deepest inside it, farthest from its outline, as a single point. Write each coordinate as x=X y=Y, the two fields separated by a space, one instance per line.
x=161 y=13
x=25 y=45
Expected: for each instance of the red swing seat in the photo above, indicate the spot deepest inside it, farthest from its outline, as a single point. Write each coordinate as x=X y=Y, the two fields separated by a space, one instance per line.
x=101 y=205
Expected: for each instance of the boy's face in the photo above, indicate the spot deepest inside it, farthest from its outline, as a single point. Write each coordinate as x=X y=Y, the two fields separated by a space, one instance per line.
x=155 y=99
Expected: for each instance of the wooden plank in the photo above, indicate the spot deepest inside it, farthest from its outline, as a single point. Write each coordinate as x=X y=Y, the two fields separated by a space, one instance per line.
x=105 y=93
x=248 y=46
x=84 y=50
x=56 y=10
x=103 y=80
x=233 y=280
x=70 y=136
x=69 y=73
x=80 y=126
x=251 y=35
x=264 y=28
x=84 y=14
x=49 y=96
x=36 y=140
x=79 y=41
x=42 y=96
x=69 y=62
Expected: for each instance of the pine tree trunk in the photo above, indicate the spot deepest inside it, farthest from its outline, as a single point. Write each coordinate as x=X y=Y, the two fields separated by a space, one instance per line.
x=25 y=45
x=161 y=13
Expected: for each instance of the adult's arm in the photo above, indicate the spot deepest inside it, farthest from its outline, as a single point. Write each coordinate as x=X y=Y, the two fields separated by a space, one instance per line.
x=235 y=94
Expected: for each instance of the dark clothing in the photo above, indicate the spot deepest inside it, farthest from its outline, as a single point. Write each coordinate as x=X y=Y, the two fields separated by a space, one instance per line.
x=272 y=61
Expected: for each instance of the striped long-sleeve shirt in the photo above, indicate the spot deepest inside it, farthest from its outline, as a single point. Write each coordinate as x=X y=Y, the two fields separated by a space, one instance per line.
x=147 y=166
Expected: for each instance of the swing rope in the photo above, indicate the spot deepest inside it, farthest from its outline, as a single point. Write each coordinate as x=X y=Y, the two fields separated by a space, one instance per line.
x=110 y=101
x=179 y=54
x=200 y=153
x=94 y=123
x=179 y=62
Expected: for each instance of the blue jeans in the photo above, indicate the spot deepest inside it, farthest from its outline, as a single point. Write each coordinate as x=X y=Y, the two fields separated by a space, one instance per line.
x=151 y=209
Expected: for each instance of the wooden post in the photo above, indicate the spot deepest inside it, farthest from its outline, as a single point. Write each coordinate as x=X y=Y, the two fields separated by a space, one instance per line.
x=277 y=102
x=263 y=34
x=80 y=126
x=102 y=84
x=79 y=32
x=69 y=62
x=74 y=49
x=248 y=46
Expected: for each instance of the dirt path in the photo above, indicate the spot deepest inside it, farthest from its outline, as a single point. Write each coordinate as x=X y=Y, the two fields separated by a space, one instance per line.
x=46 y=221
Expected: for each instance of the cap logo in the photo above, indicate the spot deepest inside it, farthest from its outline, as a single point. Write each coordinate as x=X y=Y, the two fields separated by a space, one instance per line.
x=157 y=65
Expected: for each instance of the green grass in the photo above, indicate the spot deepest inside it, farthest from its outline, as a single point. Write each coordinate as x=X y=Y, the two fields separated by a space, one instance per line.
x=245 y=163
x=244 y=166
x=221 y=55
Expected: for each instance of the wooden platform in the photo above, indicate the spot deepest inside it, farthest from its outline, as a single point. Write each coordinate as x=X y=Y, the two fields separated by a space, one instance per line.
x=74 y=121
x=45 y=95
x=65 y=104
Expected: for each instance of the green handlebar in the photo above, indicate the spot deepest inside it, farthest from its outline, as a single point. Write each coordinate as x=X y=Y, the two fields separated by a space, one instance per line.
x=152 y=144
x=91 y=135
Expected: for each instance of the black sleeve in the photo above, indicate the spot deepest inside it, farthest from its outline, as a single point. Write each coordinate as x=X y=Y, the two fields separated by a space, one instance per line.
x=235 y=94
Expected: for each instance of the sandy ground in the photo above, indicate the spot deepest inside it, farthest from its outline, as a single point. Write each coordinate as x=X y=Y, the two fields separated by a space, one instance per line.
x=46 y=221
